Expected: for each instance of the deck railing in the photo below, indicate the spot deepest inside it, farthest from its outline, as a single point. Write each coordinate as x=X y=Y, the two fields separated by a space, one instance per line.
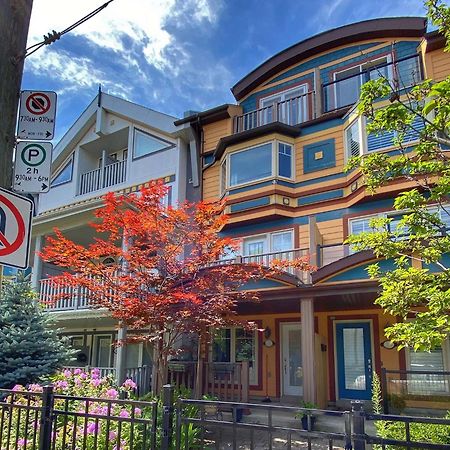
x=291 y=112
x=402 y=74
x=329 y=253
x=415 y=388
x=103 y=177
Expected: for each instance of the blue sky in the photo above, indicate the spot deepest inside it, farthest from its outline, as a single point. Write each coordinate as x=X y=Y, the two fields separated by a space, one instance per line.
x=175 y=55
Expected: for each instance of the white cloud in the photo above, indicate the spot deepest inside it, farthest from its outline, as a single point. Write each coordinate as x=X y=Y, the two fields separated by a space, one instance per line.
x=140 y=21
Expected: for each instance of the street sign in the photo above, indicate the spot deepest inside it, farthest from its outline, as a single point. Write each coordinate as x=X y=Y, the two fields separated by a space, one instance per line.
x=32 y=167
x=15 y=229
x=37 y=115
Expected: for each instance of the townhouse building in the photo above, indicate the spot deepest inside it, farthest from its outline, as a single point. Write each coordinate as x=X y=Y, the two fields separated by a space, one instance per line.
x=117 y=146
x=278 y=158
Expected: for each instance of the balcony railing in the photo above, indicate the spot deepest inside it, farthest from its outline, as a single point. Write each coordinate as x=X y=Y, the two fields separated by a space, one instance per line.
x=402 y=74
x=291 y=112
x=103 y=177
x=69 y=297
x=329 y=253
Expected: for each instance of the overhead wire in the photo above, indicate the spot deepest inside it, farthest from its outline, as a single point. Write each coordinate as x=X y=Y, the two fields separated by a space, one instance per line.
x=55 y=35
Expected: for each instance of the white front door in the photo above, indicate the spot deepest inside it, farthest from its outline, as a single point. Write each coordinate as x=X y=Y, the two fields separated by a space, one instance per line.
x=291 y=359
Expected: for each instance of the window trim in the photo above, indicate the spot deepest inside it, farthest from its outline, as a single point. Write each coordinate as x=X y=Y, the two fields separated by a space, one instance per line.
x=268 y=239
x=282 y=94
x=255 y=381
x=274 y=161
x=70 y=160
x=133 y=147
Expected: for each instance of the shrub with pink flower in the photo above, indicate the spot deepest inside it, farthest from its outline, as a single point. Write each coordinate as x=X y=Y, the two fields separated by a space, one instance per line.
x=95 y=432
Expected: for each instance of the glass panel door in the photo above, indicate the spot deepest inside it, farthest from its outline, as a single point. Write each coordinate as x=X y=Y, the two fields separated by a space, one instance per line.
x=291 y=359
x=269 y=114
x=103 y=351
x=347 y=89
x=354 y=360
x=256 y=247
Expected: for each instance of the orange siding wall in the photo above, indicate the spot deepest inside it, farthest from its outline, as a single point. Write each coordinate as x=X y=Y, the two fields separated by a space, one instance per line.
x=214 y=131
x=211 y=183
x=438 y=65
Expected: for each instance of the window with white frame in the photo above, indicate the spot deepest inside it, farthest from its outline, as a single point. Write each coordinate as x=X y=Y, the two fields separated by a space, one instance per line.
x=64 y=175
x=434 y=362
x=292 y=106
x=234 y=345
x=362 y=224
x=359 y=142
x=271 y=159
x=146 y=144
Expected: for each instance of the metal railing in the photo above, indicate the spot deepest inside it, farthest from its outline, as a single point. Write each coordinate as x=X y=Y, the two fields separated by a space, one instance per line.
x=103 y=177
x=420 y=388
x=43 y=421
x=293 y=111
x=402 y=73
x=141 y=375
x=329 y=253
x=268 y=258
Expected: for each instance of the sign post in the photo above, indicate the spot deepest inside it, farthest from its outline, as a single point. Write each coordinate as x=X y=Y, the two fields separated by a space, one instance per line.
x=16 y=213
x=32 y=167
x=37 y=115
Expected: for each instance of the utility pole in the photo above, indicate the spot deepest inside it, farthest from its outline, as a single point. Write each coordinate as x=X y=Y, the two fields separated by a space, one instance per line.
x=14 y=23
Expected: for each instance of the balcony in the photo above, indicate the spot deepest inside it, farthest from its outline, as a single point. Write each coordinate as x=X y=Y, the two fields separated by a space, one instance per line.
x=69 y=298
x=291 y=112
x=402 y=74
x=104 y=177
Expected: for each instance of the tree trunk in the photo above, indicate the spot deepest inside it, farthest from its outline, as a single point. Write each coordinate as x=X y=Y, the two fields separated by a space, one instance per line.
x=14 y=22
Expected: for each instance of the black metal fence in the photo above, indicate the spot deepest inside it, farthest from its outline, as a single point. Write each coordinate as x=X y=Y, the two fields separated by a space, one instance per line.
x=46 y=421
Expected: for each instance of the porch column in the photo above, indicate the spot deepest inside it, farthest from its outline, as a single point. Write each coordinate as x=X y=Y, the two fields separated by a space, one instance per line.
x=308 y=363
x=121 y=354
x=36 y=272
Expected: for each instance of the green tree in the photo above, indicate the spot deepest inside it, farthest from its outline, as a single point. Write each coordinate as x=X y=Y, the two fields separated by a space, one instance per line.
x=30 y=348
x=418 y=288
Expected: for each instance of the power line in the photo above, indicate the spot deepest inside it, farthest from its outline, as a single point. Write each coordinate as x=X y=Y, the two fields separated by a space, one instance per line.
x=53 y=36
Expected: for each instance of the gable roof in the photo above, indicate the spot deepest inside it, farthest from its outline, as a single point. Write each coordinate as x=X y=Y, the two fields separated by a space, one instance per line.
x=368 y=29
x=115 y=105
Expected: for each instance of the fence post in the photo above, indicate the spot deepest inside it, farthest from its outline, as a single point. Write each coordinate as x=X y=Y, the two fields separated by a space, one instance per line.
x=384 y=390
x=167 y=417
x=46 y=422
x=358 y=419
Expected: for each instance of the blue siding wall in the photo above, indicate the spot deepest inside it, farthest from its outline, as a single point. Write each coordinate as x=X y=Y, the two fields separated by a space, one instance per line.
x=402 y=49
x=318 y=156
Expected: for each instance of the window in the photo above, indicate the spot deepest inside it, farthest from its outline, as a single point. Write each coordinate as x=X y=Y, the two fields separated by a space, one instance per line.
x=146 y=144
x=284 y=160
x=433 y=362
x=291 y=106
x=359 y=142
x=233 y=345
x=64 y=175
x=251 y=165
x=353 y=139
x=110 y=159
x=103 y=351
x=258 y=163
x=349 y=81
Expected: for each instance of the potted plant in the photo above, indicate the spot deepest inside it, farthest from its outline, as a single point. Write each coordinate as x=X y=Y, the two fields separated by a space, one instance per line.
x=307 y=412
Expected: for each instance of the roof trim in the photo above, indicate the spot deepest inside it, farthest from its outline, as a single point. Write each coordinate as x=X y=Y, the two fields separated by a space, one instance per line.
x=274 y=127
x=435 y=40
x=367 y=29
x=208 y=116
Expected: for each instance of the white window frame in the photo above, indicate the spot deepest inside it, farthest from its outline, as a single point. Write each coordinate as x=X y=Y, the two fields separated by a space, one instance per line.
x=226 y=165
x=267 y=237
x=390 y=213
x=253 y=371
x=68 y=161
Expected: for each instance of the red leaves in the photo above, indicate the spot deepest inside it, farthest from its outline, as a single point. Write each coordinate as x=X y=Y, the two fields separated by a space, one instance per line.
x=166 y=274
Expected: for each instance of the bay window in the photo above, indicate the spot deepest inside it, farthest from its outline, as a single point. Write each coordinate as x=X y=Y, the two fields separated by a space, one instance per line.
x=234 y=345
x=271 y=159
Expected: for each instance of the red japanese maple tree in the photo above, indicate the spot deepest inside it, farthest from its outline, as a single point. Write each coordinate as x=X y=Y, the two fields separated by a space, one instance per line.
x=165 y=279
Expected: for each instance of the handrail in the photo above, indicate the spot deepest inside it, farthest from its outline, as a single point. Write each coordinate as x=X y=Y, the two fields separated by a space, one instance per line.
x=103 y=177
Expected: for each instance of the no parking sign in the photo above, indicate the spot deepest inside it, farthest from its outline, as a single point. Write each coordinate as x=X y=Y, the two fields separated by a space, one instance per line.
x=15 y=229
x=37 y=115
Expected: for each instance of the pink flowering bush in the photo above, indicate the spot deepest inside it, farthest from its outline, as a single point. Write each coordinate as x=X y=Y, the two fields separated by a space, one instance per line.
x=80 y=393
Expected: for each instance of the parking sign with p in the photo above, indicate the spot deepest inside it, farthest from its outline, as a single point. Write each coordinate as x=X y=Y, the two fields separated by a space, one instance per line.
x=32 y=167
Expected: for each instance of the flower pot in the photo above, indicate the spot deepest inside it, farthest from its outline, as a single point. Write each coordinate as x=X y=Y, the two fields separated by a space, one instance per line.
x=305 y=422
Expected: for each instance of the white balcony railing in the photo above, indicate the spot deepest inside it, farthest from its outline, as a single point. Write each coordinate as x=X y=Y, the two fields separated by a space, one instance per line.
x=68 y=297
x=291 y=112
x=103 y=177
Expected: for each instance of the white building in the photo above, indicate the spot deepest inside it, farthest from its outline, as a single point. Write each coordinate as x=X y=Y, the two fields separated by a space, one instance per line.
x=115 y=145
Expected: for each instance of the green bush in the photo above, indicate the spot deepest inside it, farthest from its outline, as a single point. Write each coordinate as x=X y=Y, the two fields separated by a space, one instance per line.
x=418 y=432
